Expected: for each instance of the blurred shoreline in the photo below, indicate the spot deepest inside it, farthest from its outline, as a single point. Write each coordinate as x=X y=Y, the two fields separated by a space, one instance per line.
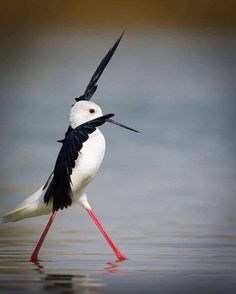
x=36 y=15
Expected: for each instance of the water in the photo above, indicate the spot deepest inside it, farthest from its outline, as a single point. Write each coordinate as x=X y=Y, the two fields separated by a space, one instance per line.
x=167 y=196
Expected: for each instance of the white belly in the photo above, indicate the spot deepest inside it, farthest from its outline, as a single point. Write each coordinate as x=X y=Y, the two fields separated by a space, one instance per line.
x=88 y=162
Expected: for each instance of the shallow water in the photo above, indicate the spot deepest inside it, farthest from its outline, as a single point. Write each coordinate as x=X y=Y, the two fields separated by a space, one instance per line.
x=167 y=196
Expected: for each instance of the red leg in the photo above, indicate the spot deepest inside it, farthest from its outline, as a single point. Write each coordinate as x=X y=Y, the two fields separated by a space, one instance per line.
x=34 y=256
x=116 y=250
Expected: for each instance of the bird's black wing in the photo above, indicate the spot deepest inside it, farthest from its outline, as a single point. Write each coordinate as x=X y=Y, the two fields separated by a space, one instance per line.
x=59 y=190
x=69 y=130
x=92 y=86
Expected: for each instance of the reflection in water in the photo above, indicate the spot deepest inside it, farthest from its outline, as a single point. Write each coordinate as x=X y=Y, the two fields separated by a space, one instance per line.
x=68 y=283
x=71 y=283
x=113 y=267
x=55 y=282
x=38 y=266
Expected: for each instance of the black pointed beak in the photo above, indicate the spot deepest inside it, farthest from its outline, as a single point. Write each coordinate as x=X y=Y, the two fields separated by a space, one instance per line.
x=121 y=125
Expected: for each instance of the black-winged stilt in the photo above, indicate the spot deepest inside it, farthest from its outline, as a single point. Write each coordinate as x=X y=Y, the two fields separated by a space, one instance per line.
x=77 y=163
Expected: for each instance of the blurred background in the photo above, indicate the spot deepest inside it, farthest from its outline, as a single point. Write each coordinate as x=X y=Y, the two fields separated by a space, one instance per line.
x=167 y=195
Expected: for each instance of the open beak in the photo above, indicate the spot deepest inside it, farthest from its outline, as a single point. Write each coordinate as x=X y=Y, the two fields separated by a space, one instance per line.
x=123 y=126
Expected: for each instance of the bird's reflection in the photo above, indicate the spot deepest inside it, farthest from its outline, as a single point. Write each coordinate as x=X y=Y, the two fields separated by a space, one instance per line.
x=67 y=283
x=75 y=283
x=38 y=266
x=113 y=267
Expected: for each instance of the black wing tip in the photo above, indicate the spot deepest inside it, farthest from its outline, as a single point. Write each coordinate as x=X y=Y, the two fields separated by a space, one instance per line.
x=117 y=42
x=59 y=199
x=61 y=206
x=121 y=36
x=107 y=116
x=102 y=118
x=92 y=86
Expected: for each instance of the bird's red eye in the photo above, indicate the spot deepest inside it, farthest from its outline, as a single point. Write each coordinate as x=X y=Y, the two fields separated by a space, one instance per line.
x=91 y=110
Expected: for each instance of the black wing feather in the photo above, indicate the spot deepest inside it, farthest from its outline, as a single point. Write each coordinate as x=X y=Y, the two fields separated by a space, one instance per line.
x=59 y=190
x=92 y=87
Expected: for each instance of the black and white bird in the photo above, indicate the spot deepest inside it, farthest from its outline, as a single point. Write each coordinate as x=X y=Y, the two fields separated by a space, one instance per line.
x=77 y=163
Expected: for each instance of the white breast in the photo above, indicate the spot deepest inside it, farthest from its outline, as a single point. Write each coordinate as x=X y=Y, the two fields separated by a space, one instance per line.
x=88 y=162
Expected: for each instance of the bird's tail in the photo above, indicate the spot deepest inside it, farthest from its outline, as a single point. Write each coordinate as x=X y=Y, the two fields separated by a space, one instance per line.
x=15 y=215
x=31 y=207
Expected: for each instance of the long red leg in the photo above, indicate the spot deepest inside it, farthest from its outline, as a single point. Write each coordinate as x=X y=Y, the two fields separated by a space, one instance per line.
x=116 y=250
x=34 y=256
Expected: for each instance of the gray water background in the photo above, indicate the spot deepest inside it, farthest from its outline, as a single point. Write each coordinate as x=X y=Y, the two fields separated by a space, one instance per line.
x=167 y=195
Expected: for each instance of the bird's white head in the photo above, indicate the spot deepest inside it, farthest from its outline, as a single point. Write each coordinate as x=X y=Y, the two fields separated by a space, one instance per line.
x=83 y=111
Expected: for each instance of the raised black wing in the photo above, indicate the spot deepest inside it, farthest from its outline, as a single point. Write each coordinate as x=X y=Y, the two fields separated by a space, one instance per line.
x=59 y=190
x=92 y=86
